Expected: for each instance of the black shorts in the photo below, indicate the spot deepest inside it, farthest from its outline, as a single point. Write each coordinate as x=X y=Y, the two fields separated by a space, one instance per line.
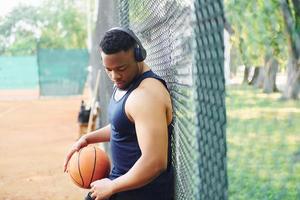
x=141 y=195
x=161 y=188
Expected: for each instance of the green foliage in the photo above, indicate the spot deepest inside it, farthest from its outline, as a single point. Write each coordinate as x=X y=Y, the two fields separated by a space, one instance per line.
x=24 y=44
x=17 y=31
x=263 y=145
x=139 y=13
x=259 y=30
x=54 y=24
x=64 y=26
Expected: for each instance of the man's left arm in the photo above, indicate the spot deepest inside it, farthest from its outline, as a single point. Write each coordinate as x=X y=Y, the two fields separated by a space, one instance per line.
x=149 y=116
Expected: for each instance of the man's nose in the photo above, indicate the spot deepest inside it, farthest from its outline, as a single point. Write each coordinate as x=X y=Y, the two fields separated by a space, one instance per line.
x=115 y=75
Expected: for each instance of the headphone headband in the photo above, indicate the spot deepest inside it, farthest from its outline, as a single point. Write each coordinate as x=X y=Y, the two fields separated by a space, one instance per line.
x=140 y=52
x=129 y=32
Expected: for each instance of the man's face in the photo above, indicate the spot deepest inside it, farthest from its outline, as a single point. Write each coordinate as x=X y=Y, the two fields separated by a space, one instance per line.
x=121 y=67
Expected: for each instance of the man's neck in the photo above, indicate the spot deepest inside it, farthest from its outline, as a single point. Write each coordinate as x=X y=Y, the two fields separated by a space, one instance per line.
x=143 y=67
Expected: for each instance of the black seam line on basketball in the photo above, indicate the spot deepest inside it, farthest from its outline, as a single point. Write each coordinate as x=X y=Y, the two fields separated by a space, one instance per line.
x=94 y=165
x=79 y=168
x=74 y=179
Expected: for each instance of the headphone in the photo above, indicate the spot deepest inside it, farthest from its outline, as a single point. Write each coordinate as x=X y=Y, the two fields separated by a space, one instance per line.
x=140 y=53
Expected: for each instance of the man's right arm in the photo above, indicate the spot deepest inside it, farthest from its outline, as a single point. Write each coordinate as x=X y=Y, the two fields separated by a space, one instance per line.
x=100 y=135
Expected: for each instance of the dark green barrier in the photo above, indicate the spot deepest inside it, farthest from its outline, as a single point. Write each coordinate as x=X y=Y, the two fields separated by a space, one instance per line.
x=62 y=72
x=18 y=72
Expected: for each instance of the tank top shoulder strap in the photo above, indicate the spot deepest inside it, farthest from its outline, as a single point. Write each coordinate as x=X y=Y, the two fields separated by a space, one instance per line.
x=147 y=74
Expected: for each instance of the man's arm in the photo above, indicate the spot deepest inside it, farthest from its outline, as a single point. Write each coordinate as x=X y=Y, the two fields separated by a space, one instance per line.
x=148 y=111
x=100 y=135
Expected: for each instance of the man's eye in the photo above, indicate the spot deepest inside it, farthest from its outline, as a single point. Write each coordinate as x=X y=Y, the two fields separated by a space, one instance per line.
x=122 y=68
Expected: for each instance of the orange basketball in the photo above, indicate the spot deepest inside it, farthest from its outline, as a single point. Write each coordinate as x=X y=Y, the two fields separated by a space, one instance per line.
x=89 y=164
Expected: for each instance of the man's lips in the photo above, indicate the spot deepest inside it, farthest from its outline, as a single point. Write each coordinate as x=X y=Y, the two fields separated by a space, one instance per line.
x=119 y=83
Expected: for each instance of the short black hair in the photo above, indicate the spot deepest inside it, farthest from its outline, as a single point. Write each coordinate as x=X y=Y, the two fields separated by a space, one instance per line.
x=115 y=41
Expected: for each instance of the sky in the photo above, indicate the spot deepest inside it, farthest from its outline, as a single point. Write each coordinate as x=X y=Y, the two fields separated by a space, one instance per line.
x=7 y=5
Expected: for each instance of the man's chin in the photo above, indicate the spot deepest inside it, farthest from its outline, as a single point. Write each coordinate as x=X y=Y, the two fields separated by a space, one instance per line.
x=121 y=86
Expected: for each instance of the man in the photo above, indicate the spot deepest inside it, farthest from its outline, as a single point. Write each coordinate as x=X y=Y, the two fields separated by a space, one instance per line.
x=140 y=115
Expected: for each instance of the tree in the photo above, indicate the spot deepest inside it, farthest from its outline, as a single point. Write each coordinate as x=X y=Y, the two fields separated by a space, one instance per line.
x=54 y=24
x=259 y=33
x=63 y=25
x=17 y=31
x=291 y=15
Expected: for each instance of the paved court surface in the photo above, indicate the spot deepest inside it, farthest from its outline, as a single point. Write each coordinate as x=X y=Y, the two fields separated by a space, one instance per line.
x=34 y=138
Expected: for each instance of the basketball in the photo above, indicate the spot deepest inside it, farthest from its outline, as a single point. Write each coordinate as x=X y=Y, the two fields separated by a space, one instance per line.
x=89 y=164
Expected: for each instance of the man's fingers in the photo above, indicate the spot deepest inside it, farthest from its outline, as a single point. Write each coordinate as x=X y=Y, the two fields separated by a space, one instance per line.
x=69 y=155
x=92 y=184
x=94 y=194
x=66 y=162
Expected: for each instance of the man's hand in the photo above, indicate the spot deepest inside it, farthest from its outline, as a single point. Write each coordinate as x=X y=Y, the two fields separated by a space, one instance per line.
x=76 y=147
x=102 y=189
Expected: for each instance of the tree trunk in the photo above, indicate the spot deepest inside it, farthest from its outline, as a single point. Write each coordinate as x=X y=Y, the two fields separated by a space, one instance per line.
x=292 y=87
x=227 y=46
x=269 y=85
x=261 y=77
x=246 y=75
x=292 y=24
x=244 y=60
x=255 y=76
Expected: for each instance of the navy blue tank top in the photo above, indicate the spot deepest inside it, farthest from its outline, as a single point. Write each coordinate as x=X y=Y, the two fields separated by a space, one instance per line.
x=126 y=151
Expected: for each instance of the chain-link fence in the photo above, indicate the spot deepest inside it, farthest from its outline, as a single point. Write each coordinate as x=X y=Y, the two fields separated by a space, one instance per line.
x=184 y=41
x=107 y=18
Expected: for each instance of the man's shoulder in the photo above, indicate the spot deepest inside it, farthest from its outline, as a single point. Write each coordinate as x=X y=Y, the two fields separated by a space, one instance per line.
x=150 y=90
x=152 y=84
x=150 y=97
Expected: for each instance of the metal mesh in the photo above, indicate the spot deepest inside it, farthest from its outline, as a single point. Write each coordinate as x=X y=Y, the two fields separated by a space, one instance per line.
x=184 y=42
x=211 y=112
x=62 y=72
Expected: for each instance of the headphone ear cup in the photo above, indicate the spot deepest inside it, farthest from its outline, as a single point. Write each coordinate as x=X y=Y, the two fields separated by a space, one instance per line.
x=138 y=54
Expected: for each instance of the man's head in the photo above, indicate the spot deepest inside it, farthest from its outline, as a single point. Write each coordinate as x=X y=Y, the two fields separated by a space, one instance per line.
x=115 y=41
x=117 y=51
x=140 y=53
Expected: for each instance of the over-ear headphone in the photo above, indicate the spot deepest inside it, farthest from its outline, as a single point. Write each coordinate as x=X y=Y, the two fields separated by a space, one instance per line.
x=140 y=53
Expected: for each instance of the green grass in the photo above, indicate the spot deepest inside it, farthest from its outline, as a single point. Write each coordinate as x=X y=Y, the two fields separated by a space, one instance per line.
x=263 y=138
